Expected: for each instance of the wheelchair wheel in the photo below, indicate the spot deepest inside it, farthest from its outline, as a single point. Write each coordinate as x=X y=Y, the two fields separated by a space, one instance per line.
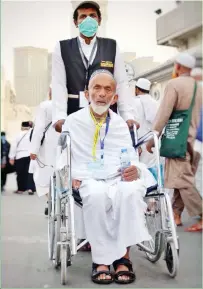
x=57 y=261
x=158 y=244
x=153 y=223
x=51 y=235
x=51 y=225
x=172 y=259
x=65 y=255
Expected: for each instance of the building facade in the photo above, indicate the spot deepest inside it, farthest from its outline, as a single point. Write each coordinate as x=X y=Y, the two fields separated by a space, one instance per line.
x=49 y=68
x=30 y=75
x=180 y=28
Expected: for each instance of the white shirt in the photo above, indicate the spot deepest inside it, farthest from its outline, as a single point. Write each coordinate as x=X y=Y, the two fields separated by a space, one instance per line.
x=20 y=147
x=145 y=109
x=59 y=89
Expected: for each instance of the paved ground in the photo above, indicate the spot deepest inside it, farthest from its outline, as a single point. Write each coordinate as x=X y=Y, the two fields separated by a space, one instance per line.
x=24 y=252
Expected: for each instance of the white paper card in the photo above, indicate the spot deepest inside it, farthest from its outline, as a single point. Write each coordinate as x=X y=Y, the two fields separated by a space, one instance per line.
x=83 y=99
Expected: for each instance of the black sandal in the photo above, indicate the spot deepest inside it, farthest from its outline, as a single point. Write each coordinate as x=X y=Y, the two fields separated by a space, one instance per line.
x=96 y=274
x=130 y=273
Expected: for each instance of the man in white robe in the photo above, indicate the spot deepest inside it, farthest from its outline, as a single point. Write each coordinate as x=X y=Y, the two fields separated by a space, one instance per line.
x=19 y=156
x=113 y=209
x=145 y=109
x=43 y=155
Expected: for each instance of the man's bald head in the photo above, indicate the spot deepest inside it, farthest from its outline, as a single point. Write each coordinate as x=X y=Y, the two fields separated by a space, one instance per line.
x=102 y=88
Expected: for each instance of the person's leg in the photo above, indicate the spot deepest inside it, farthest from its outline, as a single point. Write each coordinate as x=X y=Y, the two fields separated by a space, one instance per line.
x=131 y=228
x=28 y=179
x=20 y=175
x=93 y=196
x=193 y=204
x=178 y=207
x=30 y=184
x=3 y=178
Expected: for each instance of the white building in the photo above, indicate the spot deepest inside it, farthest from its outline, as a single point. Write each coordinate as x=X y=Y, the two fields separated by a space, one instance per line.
x=49 y=67
x=13 y=114
x=102 y=29
x=2 y=98
x=30 y=75
x=180 y=28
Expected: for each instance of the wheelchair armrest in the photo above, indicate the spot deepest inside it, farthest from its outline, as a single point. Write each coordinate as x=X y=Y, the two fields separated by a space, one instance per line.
x=76 y=196
x=151 y=189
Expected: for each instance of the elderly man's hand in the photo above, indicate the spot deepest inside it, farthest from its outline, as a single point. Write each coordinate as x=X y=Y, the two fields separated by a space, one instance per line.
x=131 y=122
x=130 y=174
x=59 y=124
x=76 y=184
x=150 y=145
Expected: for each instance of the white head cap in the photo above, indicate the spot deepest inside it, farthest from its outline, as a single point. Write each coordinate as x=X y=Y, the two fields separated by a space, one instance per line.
x=185 y=59
x=143 y=83
x=197 y=71
x=50 y=85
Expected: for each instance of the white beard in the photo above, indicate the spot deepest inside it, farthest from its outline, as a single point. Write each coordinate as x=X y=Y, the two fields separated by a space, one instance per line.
x=99 y=109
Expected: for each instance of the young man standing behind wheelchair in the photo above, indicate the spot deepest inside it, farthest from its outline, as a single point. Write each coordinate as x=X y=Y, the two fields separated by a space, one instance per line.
x=113 y=205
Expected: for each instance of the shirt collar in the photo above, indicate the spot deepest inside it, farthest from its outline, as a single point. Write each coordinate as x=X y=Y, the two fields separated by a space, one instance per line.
x=82 y=41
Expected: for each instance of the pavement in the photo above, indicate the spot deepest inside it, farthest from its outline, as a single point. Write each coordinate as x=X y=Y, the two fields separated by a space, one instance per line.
x=24 y=257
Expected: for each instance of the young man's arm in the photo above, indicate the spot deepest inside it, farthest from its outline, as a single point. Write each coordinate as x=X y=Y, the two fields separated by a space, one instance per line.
x=123 y=90
x=59 y=89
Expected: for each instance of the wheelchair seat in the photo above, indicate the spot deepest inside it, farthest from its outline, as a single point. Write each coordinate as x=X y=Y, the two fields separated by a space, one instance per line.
x=78 y=200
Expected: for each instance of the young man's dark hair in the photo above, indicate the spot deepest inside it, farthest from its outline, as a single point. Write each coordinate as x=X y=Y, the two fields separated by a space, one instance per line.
x=87 y=6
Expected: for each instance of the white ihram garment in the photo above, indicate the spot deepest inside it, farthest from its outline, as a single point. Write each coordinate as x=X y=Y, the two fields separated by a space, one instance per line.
x=45 y=153
x=113 y=210
x=145 y=109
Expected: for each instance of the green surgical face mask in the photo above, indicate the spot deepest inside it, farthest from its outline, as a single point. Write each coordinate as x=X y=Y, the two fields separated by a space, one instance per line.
x=88 y=27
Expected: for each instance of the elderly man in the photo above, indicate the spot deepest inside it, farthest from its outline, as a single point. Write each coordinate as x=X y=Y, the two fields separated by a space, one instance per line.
x=74 y=60
x=113 y=209
x=182 y=96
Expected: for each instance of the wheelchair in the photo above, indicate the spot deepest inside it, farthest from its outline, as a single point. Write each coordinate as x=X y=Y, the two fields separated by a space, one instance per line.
x=62 y=240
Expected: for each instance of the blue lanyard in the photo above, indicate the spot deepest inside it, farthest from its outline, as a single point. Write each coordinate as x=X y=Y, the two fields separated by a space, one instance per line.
x=102 y=141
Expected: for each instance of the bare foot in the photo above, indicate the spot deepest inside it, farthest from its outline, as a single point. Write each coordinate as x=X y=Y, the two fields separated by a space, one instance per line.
x=103 y=276
x=122 y=268
x=195 y=228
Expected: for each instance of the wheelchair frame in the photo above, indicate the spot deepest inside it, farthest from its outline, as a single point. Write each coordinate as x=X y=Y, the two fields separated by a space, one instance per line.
x=62 y=243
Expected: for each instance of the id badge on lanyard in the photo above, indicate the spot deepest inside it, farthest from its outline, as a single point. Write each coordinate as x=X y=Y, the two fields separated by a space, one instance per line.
x=98 y=165
x=83 y=100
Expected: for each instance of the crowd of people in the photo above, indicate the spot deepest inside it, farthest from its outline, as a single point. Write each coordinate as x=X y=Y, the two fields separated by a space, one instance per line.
x=90 y=97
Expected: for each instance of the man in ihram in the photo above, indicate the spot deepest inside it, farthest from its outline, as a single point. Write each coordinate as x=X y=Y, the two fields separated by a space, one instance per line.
x=113 y=206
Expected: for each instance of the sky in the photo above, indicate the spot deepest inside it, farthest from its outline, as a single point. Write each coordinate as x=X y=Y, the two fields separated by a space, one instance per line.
x=42 y=23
